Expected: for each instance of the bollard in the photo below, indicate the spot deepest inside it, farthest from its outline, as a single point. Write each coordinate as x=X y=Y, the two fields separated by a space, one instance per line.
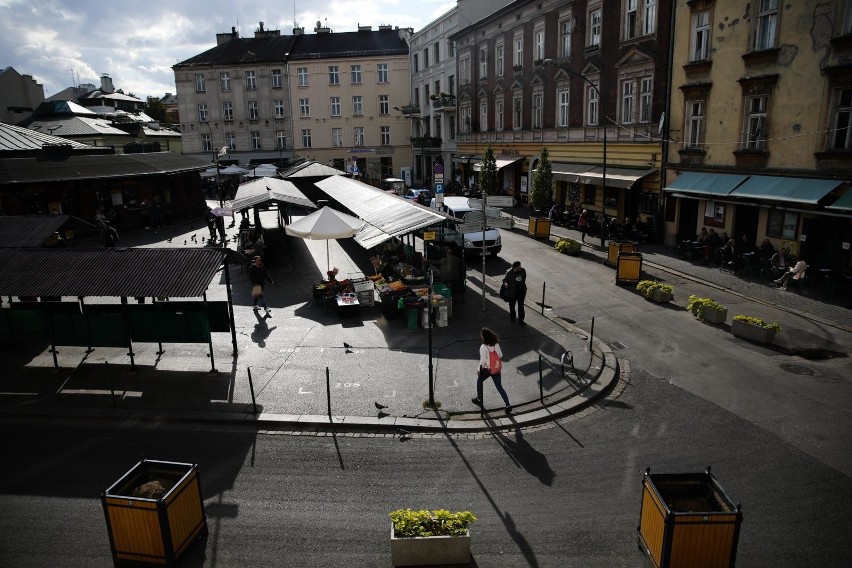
x=592 y=336
x=540 y=380
x=251 y=388
x=543 y=288
x=328 y=392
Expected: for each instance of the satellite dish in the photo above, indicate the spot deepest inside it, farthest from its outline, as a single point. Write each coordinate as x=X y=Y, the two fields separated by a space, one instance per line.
x=662 y=122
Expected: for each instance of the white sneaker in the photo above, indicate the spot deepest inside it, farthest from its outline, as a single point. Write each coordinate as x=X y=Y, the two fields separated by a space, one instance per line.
x=256 y=308
x=268 y=312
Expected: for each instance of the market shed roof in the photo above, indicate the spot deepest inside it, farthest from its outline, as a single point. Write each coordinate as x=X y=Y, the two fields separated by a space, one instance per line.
x=109 y=272
x=265 y=189
x=16 y=138
x=35 y=230
x=311 y=169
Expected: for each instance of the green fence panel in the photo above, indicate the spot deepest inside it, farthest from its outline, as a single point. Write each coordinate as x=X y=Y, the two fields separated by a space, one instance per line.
x=5 y=326
x=27 y=322
x=220 y=319
x=106 y=325
x=169 y=322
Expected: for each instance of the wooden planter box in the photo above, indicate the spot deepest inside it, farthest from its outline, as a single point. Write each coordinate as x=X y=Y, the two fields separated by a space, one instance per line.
x=688 y=520
x=616 y=247
x=629 y=268
x=753 y=333
x=430 y=551
x=713 y=315
x=539 y=228
x=660 y=296
x=154 y=512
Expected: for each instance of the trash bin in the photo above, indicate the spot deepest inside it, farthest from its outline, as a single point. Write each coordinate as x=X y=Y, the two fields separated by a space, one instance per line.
x=628 y=268
x=616 y=247
x=686 y=519
x=154 y=512
x=412 y=319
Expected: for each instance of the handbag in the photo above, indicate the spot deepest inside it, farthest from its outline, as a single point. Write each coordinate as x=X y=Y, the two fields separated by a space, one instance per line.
x=506 y=293
x=256 y=290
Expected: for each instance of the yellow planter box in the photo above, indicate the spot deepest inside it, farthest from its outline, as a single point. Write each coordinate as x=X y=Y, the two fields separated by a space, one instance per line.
x=539 y=227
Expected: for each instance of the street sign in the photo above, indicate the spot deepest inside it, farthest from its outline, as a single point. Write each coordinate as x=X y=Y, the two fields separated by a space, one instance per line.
x=501 y=223
x=439 y=198
x=439 y=188
x=474 y=203
x=492 y=212
x=500 y=201
x=429 y=235
x=473 y=217
x=466 y=228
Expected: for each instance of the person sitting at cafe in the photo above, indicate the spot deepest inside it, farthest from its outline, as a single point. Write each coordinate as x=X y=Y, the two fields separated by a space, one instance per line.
x=795 y=273
x=780 y=262
x=766 y=250
x=730 y=260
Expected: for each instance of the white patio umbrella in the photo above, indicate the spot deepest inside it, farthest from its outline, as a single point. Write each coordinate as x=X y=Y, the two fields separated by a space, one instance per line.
x=325 y=224
x=233 y=170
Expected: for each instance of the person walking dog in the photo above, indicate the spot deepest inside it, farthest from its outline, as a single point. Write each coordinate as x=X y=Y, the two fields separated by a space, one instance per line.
x=258 y=276
x=515 y=285
x=490 y=365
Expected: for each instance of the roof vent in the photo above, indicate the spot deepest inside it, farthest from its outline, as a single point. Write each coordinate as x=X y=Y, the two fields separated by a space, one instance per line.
x=365 y=28
x=384 y=28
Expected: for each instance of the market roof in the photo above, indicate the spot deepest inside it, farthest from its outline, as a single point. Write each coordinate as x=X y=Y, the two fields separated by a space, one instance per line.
x=265 y=189
x=311 y=169
x=67 y=168
x=72 y=125
x=243 y=50
x=706 y=183
x=778 y=188
x=19 y=231
x=16 y=139
x=388 y=215
x=109 y=272
x=365 y=43
x=844 y=202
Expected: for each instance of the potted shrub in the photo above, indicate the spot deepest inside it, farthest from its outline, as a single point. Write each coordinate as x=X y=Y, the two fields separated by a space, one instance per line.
x=568 y=246
x=754 y=329
x=427 y=538
x=707 y=309
x=656 y=291
x=541 y=194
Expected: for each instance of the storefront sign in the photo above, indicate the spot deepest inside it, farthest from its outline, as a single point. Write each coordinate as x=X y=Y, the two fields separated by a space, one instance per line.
x=429 y=235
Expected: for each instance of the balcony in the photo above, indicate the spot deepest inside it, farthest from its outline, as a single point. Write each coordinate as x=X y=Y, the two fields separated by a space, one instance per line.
x=444 y=103
x=409 y=109
x=426 y=141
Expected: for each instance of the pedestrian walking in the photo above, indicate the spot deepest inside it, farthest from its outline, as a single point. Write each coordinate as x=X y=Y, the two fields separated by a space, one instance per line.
x=258 y=276
x=515 y=284
x=583 y=224
x=211 y=224
x=605 y=225
x=220 y=224
x=490 y=365
x=109 y=236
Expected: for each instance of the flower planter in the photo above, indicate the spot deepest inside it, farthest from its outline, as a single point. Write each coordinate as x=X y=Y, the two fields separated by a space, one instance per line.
x=430 y=550
x=660 y=296
x=539 y=227
x=713 y=315
x=753 y=333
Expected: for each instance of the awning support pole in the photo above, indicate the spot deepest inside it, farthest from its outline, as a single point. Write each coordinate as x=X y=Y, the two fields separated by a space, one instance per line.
x=127 y=329
x=230 y=309
x=89 y=348
x=209 y=335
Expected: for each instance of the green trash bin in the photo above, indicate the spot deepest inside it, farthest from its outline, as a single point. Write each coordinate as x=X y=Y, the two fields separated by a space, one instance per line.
x=412 y=319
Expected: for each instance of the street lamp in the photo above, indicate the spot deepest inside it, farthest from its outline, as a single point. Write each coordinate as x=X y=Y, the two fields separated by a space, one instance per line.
x=216 y=155
x=602 y=110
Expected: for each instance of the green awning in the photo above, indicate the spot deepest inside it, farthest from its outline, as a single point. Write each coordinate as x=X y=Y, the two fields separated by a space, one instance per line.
x=844 y=203
x=706 y=184
x=775 y=188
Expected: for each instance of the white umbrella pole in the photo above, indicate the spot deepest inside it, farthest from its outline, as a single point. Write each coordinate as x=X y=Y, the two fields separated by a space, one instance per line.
x=327 y=256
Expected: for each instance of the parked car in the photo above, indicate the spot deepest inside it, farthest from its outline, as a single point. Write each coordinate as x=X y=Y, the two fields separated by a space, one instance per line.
x=421 y=196
x=457 y=233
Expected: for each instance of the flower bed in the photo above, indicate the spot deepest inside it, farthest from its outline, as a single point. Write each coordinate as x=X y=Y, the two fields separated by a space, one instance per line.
x=754 y=329
x=655 y=291
x=707 y=309
x=568 y=246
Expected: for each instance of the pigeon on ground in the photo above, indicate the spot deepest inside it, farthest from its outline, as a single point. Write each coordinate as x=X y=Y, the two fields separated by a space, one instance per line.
x=193 y=239
x=379 y=405
x=383 y=414
x=346 y=345
x=169 y=240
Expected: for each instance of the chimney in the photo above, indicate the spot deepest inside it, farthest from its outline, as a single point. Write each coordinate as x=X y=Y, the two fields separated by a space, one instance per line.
x=298 y=31
x=226 y=37
x=365 y=28
x=106 y=84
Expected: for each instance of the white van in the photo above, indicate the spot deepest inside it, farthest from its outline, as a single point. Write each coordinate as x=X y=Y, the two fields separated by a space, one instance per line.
x=458 y=233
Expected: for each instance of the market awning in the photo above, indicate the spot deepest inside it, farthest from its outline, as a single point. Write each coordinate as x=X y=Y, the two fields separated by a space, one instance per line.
x=388 y=215
x=263 y=190
x=37 y=230
x=776 y=188
x=844 y=203
x=706 y=184
x=569 y=172
x=500 y=162
x=311 y=169
x=615 y=177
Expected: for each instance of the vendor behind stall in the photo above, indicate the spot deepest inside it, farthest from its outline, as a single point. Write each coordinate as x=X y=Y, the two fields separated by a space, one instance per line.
x=452 y=271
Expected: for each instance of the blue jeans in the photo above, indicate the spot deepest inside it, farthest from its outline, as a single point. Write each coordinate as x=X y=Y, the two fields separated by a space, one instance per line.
x=262 y=301
x=498 y=384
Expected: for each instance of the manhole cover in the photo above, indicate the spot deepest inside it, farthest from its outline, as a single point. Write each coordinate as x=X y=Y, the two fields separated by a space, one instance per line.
x=617 y=345
x=796 y=369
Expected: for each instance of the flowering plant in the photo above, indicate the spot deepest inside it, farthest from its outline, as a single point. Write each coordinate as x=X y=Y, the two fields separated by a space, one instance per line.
x=758 y=322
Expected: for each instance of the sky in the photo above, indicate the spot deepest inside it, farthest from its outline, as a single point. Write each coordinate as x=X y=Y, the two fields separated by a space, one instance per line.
x=63 y=42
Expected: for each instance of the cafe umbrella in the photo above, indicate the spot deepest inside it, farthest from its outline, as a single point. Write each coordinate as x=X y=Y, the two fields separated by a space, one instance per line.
x=325 y=224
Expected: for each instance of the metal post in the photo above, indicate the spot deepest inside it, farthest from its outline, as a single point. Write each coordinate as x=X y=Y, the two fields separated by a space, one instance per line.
x=88 y=327
x=592 y=335
x=540 y=380
x=328 y=392
x=251 y=388
x=484 y=228
x=230 y=307
x=429 y=312
x=127 y=328
x=209 y=335
x=543 y=288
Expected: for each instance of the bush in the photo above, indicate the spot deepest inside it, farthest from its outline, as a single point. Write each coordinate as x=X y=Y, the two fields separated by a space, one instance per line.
x=758 y=322
x=647 y=287
x=568 y=246
x=697 y=305
x=440 y=522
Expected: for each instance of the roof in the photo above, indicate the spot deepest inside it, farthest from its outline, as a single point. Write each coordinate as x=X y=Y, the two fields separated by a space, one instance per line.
x=109 y=272
x=28 y=170
x=706 y=184
x=776 y=188
x=100 y=94
x=243 y=50
x=311 y=169
x=73 y=126
x=51 y=108
x=265 y=189
x=844 y=202
x=17 y=138
x=348 y=44
x=34 y=230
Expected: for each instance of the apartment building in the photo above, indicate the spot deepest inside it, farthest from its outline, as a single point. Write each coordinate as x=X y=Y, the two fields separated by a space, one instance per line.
x=761 y=116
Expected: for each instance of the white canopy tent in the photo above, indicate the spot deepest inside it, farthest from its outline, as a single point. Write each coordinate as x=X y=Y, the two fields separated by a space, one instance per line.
x=326 y=224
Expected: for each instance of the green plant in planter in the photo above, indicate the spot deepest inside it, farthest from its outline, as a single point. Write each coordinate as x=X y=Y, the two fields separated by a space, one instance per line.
x=647 y=288
x=697 y=306
x=440 y=522
x=568 y=246
x=758 y=322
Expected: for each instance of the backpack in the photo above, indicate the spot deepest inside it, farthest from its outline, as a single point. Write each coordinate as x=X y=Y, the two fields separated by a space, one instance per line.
x=495 y=365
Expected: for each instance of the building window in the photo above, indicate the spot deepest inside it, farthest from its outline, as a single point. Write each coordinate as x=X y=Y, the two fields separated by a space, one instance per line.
x=451 y=84
x=281 y=140
x=631 y=19
x=277 y=83
x=333 y=75
x=356 y=74
x=230 y=141
x=252 y=110
x=465 y=119
x=359 y=135
x=438 y=87
x=382 y=73
x=590 y=194
x=498 y=61
x=538 y=109
x=335 y=106
x=594 y=39
x=562 y=98
x=649 y=17
x=841 y=137
x=754 y=137
x=498 y=113
x=437 y=51
x=306 y=138
x=202 y=112
x=384 y=134
x=337 y=137
x=415 y=63
x=782 y=224
x=451 y=49
x=565 y=38
x=199 y=83
x=452 y=130
x=539 y=45
x=225 y=82
x=694 y=123
x=628 y=94
x=425 y=59
x=426 y=94
x=592 y=108
x=417 y=97
x=206 y=145
x=251 y=81
x=255 y=140
x=357 y=106
x=765 y=25
x=464 y=70
x=227 y=111
x=699 y=48
x=518 y=60
x=847 y=19
x=645 y=91
x=302 y=76
x=279 y=109
x=517 y=112
x=384 y=104
x=483 y=115
x=483 y=63
x=304 y=108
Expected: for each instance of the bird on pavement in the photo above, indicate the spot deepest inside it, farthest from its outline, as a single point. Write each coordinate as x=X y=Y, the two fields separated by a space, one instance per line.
x=346 y=345
x=379 y=405
x=383 y=414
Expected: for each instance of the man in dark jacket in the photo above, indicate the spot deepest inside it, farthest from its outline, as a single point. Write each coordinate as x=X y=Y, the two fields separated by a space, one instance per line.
x=515 y=283
x=109 y=236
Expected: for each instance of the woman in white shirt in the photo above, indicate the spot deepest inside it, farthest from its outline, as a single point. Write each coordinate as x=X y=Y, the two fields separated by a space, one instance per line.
x=490 y=365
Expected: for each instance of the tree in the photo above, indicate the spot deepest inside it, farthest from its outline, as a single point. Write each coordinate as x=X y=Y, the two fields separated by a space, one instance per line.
x=488 y=173
x=541 y=193
x=157 y=110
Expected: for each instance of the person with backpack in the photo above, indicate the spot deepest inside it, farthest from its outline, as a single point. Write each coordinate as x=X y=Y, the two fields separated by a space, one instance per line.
x=583 y=224
x=490 y=365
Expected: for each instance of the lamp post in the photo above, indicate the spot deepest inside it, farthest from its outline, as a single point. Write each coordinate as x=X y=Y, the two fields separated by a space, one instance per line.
x=602 y=110
x=216 y=155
